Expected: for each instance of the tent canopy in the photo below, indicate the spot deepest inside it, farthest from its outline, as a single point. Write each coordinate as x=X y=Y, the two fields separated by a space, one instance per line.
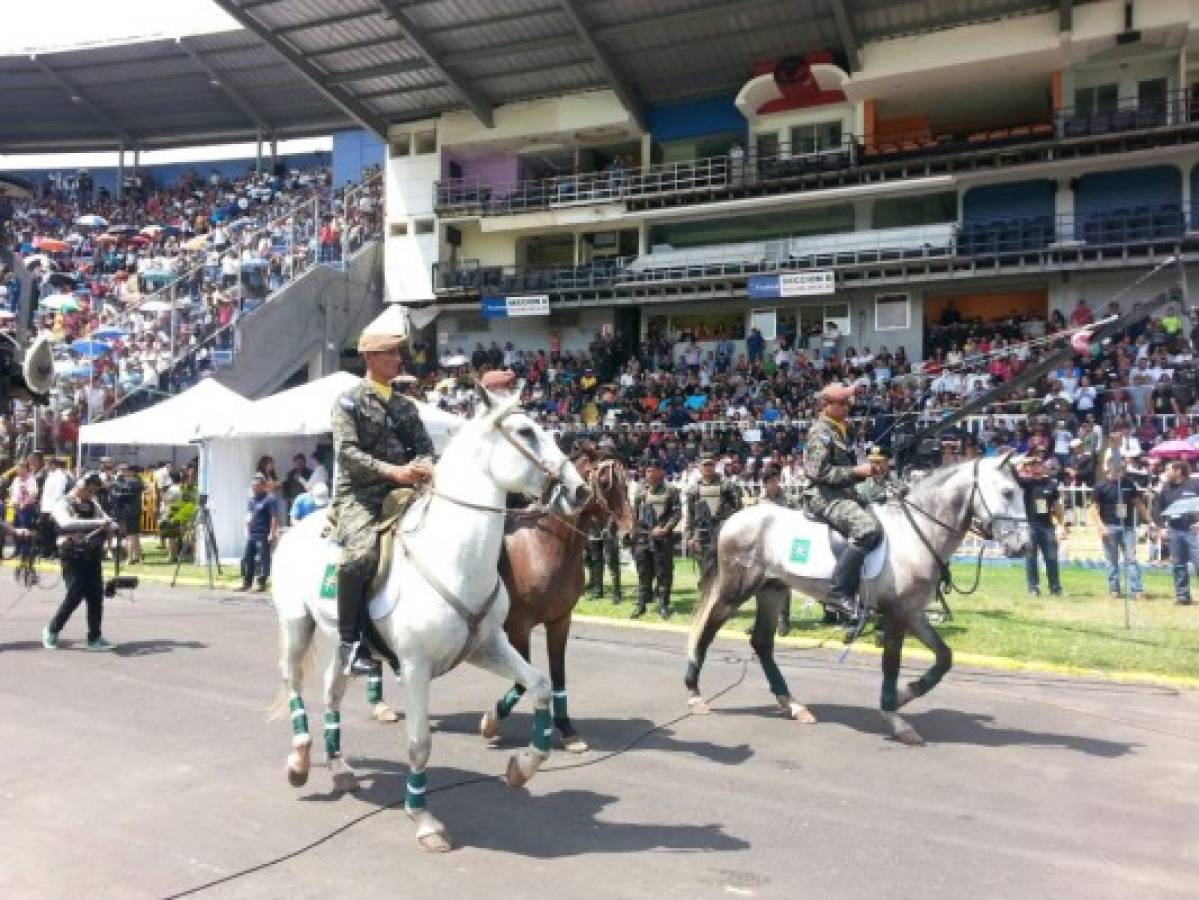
x=308 y=410
x=176 y=421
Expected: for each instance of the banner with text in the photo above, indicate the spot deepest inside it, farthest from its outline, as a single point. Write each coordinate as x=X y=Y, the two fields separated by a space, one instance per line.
x=515 y=307
x=791 y=284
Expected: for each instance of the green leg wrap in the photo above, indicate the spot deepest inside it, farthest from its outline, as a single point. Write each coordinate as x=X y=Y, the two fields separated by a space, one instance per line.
x=299 y=717
x=889 y=700
x=541 y=730
x=509 y=700
x=333 y=733
x=927 y=681
x=374 y=688
x=414 y=792
x=559 y=705
x=778 y=685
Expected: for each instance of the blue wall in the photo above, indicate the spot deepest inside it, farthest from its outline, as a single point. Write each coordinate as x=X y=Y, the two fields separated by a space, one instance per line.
x=1000 y=202
x=695 y=118
x=353 y=151
x=1104 y=192
x=169 y=173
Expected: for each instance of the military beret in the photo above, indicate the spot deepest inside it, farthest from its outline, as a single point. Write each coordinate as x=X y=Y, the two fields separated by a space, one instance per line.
x=836 y=392
x=499 y=380
x=378 y=343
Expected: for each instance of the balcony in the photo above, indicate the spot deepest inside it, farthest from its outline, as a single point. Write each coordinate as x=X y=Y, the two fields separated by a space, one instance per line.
x=947 y=250
x=1067 y=134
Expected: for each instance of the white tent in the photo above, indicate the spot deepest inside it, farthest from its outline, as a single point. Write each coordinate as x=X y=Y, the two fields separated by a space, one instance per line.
x=174 y=422
x=282 y=425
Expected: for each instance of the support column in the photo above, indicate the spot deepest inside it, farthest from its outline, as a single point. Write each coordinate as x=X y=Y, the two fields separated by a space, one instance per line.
x=1063 y=208
x=121 y=172
x=274 y=153
x=258 y=152
x=1188 y=212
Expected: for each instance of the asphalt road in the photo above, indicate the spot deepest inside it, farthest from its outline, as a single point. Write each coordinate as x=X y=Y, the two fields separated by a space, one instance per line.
x=152 y=771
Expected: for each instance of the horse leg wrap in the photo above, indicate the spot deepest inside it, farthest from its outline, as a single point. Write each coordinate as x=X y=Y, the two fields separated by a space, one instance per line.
x=333 y=733
x=928 y=680
x=542 y=731
x=299 y=717
x=889 y=699
x=374 y=688
x=561 y=717
x=509 y=700
x=778 y=685
x=414 y=791
x=691 y=679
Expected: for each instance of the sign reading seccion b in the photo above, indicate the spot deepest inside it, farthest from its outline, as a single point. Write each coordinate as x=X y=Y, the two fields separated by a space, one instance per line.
x=791 y=284
x=514 y=307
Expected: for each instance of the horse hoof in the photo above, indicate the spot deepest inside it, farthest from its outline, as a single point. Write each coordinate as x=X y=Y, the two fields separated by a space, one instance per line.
x=434 y=842
x=574 y=744
x=909 y=738
x=296 y=778
x=489 y=725
x=384 y=713
x=698 y=706
x=515 y=776
x=344 y=779
x=797 y=712
x=298 y=764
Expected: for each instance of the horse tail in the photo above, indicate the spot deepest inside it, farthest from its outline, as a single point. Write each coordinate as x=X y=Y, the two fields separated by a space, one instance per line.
x=293 y=675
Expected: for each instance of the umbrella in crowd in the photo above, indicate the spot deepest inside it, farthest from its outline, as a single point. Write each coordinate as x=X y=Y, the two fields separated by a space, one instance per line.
x=61 y=303
x=152 y=231
x=155 y=306
x=1174 y=450
x=92 y=221
x=90 y=347
x=109 y=333
x=121 y=231
x=50 y=245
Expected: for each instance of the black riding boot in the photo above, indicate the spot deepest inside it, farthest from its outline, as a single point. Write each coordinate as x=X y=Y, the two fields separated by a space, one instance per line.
x=664 y=601
x=352 y=654
x=643 y=595
x=616 y=598
x=595 y=581
x=843 y=595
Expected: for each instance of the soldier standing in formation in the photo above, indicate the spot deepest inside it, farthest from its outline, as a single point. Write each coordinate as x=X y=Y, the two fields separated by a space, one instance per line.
x=381 y=444
x=656 y=512
x=709 y=503
x=601 y=543
x=833 y=474
x=772 y=492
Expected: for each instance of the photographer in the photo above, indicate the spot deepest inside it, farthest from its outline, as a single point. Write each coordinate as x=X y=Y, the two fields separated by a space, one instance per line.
x=82 y=529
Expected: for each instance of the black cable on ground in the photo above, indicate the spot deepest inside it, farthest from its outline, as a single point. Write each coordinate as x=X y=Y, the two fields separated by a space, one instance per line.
x=480 y=779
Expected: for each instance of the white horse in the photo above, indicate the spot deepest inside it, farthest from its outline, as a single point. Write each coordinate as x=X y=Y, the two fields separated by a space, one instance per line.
x=443 y=601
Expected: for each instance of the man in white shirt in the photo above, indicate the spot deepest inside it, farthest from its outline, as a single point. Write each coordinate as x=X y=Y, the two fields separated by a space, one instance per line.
x=320 y=475
x=55 y=486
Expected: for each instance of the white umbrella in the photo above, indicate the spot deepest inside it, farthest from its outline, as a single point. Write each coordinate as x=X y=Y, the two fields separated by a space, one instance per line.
x=92 y=221
x=155 y=306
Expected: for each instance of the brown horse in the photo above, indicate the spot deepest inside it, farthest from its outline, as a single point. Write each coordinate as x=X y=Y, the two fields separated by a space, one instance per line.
x=542 y=568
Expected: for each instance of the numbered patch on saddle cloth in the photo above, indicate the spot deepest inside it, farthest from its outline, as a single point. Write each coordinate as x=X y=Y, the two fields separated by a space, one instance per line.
x=328 y=589
x=799 y=547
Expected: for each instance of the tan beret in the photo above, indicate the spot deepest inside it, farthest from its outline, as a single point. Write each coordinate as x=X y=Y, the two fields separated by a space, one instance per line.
x=499 y=380
x=378 y=343
x=835 y=392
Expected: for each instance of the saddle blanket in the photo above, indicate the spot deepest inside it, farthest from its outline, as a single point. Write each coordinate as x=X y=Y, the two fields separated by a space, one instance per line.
x=804 y=548
x=381 y=604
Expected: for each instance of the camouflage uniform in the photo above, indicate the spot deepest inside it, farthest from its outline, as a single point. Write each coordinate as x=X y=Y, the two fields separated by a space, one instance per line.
x=601 y=543
x=370 y=436
x=655 y=507
x=831 y=494
x=709 y=503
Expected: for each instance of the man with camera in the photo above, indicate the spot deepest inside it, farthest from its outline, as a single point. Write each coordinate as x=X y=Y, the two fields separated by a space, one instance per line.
x=83 y=529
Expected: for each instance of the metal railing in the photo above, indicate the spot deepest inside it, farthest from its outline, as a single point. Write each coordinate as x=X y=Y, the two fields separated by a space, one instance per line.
x=1164 y=227
x=471 y=195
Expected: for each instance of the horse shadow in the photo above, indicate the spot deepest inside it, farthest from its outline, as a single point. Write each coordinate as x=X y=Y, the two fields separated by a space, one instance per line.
x=557 y=825
x=16 y=646
x=949 y=726
x=601 y=735
x=152 y=647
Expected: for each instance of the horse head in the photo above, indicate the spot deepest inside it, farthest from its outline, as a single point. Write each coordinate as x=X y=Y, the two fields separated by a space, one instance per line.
x=609 y=483
x=521 y=456
x=999 y=504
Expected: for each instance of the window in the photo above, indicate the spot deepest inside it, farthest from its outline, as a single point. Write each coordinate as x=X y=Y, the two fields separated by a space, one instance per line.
x=1099 y=99
x=815 y=138
x=767 y=145
x=424 y=226
x=425 y=142
x=401 y=145
x=766 y=321
x=814 y=317
x=905 y=212
x=397 y=229
x=892 y=312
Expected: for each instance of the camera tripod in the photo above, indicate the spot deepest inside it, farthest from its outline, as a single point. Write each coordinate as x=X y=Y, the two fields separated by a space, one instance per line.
x=200 y=527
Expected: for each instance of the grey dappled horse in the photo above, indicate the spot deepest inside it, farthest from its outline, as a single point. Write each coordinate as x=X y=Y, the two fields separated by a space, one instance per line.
x=982 y=495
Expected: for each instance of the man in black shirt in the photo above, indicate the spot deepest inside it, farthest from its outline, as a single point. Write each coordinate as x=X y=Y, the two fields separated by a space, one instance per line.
x=1044 y=506
x=1181 y=527
x=1116 y=508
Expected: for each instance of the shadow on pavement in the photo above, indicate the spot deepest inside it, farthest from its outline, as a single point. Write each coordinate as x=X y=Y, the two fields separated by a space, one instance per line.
x=549 y=826
x=164 y=645
x=948 y=726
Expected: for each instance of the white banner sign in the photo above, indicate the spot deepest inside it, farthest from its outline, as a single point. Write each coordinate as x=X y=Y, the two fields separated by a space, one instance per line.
x=806 y=284
x=532 y=305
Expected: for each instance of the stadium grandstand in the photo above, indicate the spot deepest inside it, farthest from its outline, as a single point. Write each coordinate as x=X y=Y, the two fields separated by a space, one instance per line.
x=675 y=218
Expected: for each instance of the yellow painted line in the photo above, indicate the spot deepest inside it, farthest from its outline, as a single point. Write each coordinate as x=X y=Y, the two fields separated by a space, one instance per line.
x=219 y=581
x=866 y=647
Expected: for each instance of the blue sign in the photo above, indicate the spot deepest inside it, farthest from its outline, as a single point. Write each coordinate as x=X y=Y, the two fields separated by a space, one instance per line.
x=495 y=307
x=763 y=287
x=516 y=307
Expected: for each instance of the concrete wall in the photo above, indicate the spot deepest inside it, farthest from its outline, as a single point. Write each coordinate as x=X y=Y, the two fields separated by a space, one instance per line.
x=288 y=332
x=410 y=256
x=354 y=150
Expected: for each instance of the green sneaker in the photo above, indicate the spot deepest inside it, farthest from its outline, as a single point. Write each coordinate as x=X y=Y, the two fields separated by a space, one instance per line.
x=99 y=644
x=49 y=638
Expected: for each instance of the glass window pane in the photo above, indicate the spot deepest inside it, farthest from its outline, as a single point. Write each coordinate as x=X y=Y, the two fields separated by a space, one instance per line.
x=1106 y=97
x=767 y=145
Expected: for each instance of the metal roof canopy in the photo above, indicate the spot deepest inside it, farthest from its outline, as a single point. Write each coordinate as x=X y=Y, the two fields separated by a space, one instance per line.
x=306 y=67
